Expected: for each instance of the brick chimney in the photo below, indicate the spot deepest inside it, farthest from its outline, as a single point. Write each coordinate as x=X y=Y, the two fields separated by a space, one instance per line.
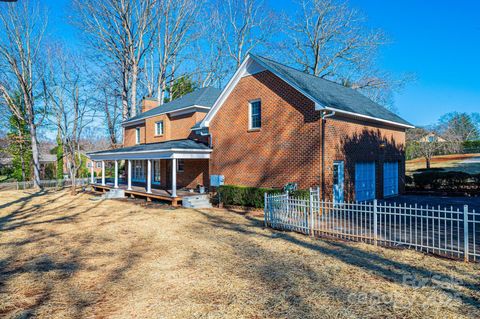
x=149 y=103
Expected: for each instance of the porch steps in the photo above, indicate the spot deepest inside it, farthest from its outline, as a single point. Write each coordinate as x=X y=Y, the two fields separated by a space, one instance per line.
x=114 y=193
x=196 y=201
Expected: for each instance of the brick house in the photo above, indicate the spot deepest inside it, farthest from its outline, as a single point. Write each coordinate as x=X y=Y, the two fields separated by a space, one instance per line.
x=269 y=126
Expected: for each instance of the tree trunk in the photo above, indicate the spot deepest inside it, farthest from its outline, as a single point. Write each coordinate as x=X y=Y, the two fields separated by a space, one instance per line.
x=427 y=160
x=125 y=110
x=133 y=99
x=35 y=156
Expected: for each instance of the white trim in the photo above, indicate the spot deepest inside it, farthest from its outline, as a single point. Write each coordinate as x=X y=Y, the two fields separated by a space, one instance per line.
x=367 y=117
x=226 y=92
x=250 y=127
x=185 y=110
x=163 y=128
x=153 y=154
x=138 y=135
x=242 y=71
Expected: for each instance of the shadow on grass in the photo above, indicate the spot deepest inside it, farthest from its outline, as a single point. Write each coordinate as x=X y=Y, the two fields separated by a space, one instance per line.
x=47 y=270
x=394 y=271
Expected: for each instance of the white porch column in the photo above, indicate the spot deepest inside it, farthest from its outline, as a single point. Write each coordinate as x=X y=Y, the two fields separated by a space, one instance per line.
x=149 y=176
x=174 y=177
x=103 y=173
x=92 y=173
x=116 y=175
x=129 y=184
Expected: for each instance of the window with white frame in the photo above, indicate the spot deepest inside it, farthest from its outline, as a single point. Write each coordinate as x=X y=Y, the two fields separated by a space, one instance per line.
x=159 y=128
x=137 y=135
x=180 y=165
x=156 y=171
x=255 y=115
x=138 y=172
x=99 y=164
x=89 y=164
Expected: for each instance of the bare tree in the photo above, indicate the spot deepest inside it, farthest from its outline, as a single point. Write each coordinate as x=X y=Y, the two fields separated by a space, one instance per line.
x=330 y=40
x=121 y=31
x=426 y=143
x=243 y=26
x=174 y=32
x=22 y=26
x=67 y=92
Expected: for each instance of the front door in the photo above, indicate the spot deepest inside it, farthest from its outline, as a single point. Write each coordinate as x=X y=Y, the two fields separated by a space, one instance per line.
x=338 y=181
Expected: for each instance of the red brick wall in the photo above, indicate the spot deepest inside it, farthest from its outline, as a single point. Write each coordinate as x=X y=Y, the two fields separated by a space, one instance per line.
x=288 y=146
x=353 y=140
x=175 y=128
x=285 y=149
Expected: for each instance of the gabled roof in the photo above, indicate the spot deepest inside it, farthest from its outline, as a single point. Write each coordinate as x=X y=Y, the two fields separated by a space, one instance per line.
x=203 y=97
x=326 y=95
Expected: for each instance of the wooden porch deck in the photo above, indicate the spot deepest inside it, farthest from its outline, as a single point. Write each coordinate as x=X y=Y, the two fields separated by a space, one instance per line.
x=141 y=192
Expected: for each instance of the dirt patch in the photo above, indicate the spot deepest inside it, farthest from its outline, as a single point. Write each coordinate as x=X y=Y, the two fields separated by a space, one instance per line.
x=74 y=257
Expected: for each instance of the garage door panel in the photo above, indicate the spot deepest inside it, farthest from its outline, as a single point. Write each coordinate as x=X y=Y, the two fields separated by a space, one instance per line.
x=390 y=178
x=365 y=181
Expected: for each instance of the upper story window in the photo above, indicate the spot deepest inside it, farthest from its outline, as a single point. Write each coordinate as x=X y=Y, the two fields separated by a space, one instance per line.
x=255 y=115
x=159 y=128
x=137 y=135
x=99 y=164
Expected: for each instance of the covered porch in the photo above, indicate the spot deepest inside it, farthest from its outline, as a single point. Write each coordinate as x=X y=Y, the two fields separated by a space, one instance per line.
x=166 y=171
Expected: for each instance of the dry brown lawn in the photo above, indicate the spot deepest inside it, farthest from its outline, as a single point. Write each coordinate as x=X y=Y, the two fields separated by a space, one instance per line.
x=74 y=257
x=452 y=162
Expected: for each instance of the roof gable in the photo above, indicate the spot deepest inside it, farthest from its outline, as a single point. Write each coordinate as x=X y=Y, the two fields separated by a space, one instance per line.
x=326 y=95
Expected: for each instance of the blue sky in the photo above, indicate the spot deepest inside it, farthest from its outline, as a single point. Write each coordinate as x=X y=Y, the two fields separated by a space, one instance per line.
x=438 y=41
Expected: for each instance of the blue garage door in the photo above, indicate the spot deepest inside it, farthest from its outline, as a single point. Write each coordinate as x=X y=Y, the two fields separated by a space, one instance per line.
x=390 y=179
x=364 y=181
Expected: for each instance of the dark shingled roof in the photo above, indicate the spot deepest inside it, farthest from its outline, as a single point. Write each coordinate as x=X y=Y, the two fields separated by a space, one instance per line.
x=186 y=144
x=330 y=94
x=202 y=97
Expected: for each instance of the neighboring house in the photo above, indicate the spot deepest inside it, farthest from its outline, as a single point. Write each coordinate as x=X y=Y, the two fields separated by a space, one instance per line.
x=271 y=125
x=432 y=137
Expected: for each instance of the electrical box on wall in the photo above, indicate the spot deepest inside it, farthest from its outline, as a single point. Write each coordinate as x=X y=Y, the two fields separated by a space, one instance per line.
x=217 y=180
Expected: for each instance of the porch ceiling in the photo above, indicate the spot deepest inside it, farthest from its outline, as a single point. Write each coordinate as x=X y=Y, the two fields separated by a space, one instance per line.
x=183 y=149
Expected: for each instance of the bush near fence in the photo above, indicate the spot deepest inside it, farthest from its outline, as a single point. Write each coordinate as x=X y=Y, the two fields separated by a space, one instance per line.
x=444 y=181
x=250 y=196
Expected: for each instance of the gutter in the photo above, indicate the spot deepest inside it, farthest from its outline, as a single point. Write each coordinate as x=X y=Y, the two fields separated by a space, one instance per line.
x=324 y=114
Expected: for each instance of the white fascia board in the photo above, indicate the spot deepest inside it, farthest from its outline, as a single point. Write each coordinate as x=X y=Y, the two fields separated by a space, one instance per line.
x=226 y=92
x=185 y=110
x=376 y=119
x=162 y=154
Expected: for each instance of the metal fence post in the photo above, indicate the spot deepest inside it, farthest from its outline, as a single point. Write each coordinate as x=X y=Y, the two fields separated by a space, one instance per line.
x=465 y=232
x=265 y=210
x=375 y=225
x=312 y=212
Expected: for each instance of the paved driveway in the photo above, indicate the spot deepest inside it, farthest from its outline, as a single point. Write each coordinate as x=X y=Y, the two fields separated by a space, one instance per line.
x=443 y=201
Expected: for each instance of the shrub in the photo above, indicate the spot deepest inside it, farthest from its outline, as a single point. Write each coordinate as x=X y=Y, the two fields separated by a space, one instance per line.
x=450 y=181
x=251 y=196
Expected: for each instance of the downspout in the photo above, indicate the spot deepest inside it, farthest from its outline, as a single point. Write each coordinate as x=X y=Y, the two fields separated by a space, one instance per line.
x=324 y=116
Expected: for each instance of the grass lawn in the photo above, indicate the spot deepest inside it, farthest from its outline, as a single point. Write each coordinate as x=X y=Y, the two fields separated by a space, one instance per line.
x=468 y=163
x=73 y=257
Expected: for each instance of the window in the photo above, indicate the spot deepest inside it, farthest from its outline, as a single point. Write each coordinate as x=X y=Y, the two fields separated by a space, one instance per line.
x=255 y=115
x=137 y=135
x=431 y=139
x=159 y=128
x=99 y=164
x=138 y=172
x=89 y=164
x=156 y=171
x=180 y=165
